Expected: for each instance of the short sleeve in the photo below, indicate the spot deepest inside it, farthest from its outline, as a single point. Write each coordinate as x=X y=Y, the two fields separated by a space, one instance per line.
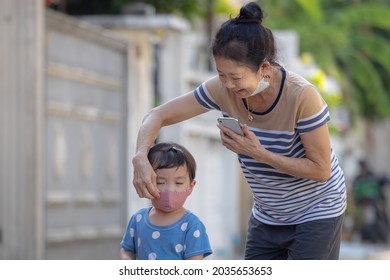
x=197 y=241
x=128 y=242
x=204 y=97
x=312 y=112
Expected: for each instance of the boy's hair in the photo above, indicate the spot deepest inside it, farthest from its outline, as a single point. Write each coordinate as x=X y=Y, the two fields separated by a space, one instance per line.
x=169 y=154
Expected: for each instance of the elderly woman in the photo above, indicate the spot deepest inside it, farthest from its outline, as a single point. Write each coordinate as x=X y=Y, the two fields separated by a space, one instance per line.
x=285 y=151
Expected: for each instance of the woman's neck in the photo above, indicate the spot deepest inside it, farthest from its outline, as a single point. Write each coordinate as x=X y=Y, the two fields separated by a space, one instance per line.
x=262 y=101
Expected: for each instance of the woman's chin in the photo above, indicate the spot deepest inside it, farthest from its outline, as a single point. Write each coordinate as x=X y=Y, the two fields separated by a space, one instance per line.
x=241 y=93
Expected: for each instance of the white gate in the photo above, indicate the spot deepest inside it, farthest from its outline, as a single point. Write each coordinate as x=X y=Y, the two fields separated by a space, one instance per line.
x=86 y=163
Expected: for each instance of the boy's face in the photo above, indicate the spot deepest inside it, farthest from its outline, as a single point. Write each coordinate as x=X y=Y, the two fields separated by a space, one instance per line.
x=175 y=186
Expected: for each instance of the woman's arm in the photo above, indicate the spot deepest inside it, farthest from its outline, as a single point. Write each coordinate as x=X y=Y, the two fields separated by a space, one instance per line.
x=177 y=110
x=315 y=166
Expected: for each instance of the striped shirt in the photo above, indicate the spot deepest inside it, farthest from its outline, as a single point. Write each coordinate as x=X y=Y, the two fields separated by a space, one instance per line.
x=279 y=198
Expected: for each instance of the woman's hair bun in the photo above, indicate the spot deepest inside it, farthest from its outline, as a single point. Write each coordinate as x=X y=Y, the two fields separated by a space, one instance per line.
x=251 y=12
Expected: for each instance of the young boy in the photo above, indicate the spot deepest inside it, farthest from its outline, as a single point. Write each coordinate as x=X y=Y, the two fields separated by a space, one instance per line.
x=167 y=231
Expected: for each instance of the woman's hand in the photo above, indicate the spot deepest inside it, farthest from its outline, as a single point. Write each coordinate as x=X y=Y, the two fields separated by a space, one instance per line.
x=144 y=179
x=248 y=144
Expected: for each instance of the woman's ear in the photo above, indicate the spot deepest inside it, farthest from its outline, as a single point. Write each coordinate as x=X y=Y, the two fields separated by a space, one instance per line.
x=263 y=68
x=265 y=65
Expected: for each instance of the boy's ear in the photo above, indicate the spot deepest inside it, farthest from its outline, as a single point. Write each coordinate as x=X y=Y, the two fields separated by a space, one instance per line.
x=192 y=184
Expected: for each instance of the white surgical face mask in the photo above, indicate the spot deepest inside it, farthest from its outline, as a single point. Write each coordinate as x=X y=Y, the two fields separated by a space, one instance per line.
x=260 y=87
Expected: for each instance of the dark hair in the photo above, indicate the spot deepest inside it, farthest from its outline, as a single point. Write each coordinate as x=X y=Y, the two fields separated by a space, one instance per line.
x=245 y=39
x=169 y=154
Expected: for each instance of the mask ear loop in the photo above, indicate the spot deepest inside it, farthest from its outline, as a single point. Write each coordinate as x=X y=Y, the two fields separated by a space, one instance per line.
x=261 y=86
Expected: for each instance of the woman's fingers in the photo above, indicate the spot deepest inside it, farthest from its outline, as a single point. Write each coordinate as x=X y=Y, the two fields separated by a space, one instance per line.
x=144 y=181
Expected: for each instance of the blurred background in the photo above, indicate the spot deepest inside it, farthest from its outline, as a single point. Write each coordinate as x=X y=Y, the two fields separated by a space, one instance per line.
x=77 y=77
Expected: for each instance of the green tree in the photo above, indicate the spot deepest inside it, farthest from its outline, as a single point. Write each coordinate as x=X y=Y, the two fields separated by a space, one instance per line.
x=189 y=9
x=349 y=40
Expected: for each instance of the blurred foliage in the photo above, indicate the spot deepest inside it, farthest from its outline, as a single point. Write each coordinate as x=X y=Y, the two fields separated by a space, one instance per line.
x=350 y=41
x=189 y=9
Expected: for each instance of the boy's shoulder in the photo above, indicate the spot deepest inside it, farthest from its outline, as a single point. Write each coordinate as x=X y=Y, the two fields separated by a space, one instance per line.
x=141 y=212
x=192 y=218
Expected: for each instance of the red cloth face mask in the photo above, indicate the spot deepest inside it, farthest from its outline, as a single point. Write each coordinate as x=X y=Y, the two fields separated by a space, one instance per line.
x=170 y=201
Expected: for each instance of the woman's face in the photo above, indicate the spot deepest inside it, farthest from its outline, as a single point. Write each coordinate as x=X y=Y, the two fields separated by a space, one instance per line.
x=238 y=78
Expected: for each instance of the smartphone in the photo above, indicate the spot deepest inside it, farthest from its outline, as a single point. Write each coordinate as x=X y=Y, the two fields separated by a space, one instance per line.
x=232 y=124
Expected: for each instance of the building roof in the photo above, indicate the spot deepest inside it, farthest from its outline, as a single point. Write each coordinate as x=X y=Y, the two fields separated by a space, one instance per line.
x=148 y=22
